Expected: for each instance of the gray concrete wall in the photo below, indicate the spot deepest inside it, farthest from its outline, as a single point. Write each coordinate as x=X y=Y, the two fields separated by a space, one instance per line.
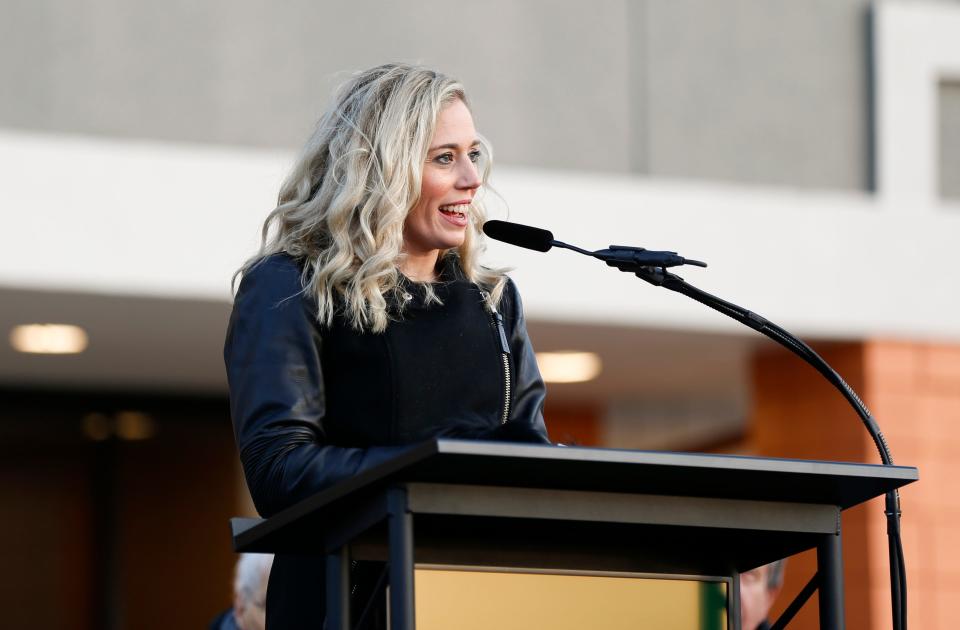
x=547 y=83
x=742 y=90
x=949 y=139
x=759 y=92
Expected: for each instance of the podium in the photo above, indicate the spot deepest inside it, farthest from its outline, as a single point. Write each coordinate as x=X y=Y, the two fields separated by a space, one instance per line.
x=552 y=508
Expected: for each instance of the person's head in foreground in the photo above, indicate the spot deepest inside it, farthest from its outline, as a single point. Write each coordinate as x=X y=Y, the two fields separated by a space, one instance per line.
x=758 y=590
x=250 y=590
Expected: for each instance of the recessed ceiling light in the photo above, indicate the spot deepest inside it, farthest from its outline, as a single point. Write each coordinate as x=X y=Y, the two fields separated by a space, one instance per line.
x=568 y=366
x=48 y=339
x=96 y=426
x=125 y=425
x=135 y=425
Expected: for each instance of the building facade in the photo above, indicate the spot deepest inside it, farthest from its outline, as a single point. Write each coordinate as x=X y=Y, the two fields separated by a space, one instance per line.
x=809 y=152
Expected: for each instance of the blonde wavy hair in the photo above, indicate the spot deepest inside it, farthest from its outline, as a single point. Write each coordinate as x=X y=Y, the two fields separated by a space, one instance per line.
x=342 y=208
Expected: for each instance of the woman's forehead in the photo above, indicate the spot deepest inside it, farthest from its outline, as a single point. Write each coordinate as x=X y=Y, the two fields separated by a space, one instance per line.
x=454 y=127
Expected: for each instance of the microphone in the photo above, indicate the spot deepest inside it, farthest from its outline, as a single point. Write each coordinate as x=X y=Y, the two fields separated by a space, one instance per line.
x=519 y=235
x=622 y=257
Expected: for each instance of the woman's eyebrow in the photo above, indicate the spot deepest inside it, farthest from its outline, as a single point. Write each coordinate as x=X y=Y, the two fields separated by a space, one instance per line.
x=453 y=145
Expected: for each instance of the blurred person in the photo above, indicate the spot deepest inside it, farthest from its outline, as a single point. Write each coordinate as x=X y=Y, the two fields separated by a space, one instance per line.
x=759 y=588
x=366 y=322
x=249 y=594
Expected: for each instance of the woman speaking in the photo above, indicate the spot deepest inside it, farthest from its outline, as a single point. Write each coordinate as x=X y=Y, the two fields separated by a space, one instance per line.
x=366 y=321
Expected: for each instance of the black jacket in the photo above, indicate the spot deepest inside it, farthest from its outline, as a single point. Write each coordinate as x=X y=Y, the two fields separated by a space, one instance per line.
x=314 y=404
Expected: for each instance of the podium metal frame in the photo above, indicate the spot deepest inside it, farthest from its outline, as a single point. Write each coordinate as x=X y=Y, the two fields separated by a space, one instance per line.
x=560 y=509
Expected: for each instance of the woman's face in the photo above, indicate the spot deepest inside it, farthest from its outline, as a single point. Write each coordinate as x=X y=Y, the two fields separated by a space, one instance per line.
x=450 y=179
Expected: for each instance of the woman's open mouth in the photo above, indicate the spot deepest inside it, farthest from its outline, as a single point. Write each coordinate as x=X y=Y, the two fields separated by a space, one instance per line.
x=455 y=213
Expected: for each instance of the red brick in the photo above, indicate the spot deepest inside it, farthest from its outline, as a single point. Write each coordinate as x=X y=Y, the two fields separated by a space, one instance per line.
x=947 y=539
x=940 y=369
x=922 y=594
x=892 y=365
x=935 y=486
x=948 y=587
x=897 y=413
x=940 y=421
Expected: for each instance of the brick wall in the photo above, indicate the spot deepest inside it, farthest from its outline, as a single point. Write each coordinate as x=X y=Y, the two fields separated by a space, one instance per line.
x=913 y=390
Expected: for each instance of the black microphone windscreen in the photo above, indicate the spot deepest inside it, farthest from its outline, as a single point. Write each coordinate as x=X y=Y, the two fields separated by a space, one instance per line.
x=520 y=235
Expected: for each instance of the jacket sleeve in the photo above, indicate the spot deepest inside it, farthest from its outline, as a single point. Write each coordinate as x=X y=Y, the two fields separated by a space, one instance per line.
x=272 y=356
x=526 y=412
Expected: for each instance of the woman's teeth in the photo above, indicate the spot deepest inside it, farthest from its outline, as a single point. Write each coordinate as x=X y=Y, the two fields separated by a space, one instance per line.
x=455 y=210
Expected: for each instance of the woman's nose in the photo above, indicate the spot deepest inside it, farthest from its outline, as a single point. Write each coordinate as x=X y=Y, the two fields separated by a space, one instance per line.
x=469 y=177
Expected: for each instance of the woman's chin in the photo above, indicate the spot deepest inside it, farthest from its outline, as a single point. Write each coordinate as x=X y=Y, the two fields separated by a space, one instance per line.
x=453 y=241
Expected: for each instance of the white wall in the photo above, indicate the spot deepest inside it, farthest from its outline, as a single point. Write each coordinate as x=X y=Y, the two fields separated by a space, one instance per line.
x=170 y=220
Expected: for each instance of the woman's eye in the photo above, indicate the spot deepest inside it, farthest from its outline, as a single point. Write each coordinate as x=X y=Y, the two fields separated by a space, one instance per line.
x=475 y=156
x=444 y=158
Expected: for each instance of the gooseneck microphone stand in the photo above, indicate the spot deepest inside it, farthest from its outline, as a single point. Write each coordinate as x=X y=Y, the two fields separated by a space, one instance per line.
x=898 y=588
x=651 y=266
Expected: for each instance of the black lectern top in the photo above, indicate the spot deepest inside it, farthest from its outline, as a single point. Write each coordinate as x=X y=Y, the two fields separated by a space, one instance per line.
x=461 y=462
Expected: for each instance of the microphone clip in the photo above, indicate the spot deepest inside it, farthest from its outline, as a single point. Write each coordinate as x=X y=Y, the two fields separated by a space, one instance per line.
x=633 y=259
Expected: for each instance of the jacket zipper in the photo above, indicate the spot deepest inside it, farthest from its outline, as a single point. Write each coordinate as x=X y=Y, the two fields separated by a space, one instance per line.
x=353 y=568
x=504 y=355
